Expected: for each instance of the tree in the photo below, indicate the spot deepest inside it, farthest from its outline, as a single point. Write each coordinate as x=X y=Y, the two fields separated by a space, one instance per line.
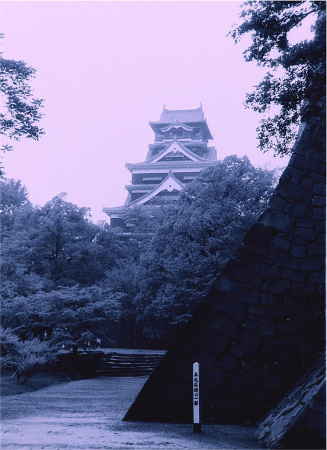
x=298 y=82
x=213 y=214
x=63 y=246
x=13 y=196
x=21 y=111
x=25 y=357
x=123 y=281
x=64 y=316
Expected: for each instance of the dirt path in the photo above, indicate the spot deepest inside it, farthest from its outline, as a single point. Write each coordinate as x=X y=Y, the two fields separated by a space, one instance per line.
x=88 y=414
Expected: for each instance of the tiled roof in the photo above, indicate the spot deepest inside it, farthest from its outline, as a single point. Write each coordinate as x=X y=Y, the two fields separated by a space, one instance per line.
x=184 y=116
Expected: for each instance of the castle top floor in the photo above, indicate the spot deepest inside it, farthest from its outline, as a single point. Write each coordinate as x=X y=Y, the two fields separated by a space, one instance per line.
x=184 y=125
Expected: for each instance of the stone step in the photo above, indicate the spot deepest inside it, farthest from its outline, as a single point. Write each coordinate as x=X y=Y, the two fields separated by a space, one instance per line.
x=135 y=358
x=118 y=364
x=131 y=363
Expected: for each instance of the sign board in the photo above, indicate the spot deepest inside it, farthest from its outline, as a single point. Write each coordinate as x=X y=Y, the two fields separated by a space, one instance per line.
x=196 y=398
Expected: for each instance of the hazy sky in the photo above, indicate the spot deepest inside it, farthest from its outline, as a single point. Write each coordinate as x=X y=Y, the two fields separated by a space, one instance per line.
x=105 y=69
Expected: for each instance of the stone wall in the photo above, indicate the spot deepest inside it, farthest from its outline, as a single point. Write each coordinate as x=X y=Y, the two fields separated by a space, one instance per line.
x=299 y=421
x=262 y=325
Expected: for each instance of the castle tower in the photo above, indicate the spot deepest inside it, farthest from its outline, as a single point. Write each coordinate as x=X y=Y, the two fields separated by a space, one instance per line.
x=179 y=153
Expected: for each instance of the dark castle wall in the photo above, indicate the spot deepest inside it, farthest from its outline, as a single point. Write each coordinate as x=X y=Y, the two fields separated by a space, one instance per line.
x=262 y=325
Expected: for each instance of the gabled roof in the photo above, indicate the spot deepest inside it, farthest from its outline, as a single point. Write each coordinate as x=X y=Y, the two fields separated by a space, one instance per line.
x=186 y=115
x=177 y=125
x=170 y=183
x=174 y=147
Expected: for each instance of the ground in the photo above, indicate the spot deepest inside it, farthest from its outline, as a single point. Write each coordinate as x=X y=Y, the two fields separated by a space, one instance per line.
x=87 y=414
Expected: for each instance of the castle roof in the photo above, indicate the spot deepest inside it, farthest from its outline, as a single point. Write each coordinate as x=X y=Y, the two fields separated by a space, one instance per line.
x=182 y=116
x=187 y=115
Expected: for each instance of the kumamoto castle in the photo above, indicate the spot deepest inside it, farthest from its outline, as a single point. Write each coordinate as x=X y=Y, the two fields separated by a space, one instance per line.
x=259 y=335
x=179 y=152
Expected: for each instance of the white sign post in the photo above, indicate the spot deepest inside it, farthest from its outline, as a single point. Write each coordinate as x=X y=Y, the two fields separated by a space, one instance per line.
x=196 y=398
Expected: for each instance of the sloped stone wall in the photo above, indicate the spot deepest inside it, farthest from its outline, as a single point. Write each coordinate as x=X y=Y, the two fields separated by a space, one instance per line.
x=262 y=325
x=299 y=420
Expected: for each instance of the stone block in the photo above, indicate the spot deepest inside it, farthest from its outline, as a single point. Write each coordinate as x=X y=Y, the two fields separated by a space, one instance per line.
x=212 y=341
x=301 y=288
x=177 y=391
x=318 y=277
x=278 y=203
x=304 y=223
x=307 y=234
x=218 y=323
x=231 y=329
x=269 y=382
x=277 y=220
x=231 y=308
x=249 y=296
x=294 y=275
x=319 y=213
x=292 y=175
x=308 y=164
x=310 y=264
x=279 y=287
x=228 y=362
x=289 y=300
x=270 y=349
x=267 y=299
x=307 y=183
x=318 y=177
x=258 y=239
x=213 y=377
x=286 y=261
x=256 y=310
x=278 y=312
x=298 y=241
x=205 y=310
x=243 y=273
x=270 y=271
x=321 y=226
x=293 y=193
x=250 y=339
x=282 y=242
x=236 y=349
x=250 y=325
x=184 y=348
x=319 y=189
x=267 y=327
x=299 y=252
x=263 y=260
x=205 y=359
x=244 y=378
x=316 y=249
x=318 y=201
x=302 y=210
x=226 y=284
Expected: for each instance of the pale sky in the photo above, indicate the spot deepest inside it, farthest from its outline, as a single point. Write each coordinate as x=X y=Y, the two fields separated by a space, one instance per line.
x=105 y=69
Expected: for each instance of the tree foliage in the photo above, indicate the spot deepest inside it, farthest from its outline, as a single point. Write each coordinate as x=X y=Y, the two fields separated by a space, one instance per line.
x=21 y=110
x=25 y=357
x=297 y=82
x=66 y=281
x=197 y=238
x=13 y=196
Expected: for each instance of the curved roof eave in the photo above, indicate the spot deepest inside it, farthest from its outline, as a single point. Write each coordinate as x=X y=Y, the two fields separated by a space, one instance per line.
x=156 y=125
